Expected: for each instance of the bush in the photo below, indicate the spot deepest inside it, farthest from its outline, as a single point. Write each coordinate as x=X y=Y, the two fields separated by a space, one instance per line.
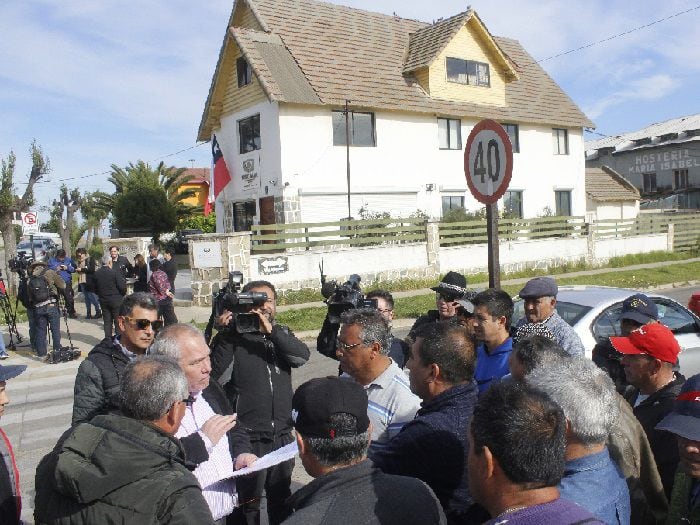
x=200 y=222
x=462 y=215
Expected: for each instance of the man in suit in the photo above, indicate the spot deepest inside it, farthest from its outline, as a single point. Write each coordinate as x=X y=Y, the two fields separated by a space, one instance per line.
x=110 y=286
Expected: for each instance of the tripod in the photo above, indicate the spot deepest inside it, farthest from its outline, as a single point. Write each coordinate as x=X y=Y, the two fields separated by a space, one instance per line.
x=10 y=314
x=64 y=312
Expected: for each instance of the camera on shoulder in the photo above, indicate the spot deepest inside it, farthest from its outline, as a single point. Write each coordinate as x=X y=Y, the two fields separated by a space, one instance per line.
x=239 y=304
x=345 y=296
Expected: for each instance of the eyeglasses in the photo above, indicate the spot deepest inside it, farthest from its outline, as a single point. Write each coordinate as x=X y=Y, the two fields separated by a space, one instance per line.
x=344 y=346
x=142 y=324
x=446 y=298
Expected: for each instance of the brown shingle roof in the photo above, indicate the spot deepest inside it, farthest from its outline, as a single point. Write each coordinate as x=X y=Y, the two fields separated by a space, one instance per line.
x=346 y=53
x=605 y=184
x=426 y=43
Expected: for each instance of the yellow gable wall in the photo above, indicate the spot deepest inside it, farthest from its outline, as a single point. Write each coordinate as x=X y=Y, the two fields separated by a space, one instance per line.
x=467 y=45
x=244 y=17
x=238 y=98
x=200 y=198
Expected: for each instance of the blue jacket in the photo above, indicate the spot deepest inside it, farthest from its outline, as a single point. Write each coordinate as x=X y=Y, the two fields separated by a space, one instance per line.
x=492 y=365
x=596 y=483
x=433 y=448
x=65 y=274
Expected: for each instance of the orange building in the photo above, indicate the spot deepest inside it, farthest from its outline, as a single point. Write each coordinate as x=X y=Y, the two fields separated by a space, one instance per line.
x=199 y=183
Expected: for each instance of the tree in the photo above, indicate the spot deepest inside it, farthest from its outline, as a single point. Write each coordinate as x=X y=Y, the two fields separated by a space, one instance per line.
x=145 y=208
x=11 y=203
x=68 y=202
x=93 y=214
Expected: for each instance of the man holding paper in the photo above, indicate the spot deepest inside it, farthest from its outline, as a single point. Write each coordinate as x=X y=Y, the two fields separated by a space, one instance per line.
x=207 y=421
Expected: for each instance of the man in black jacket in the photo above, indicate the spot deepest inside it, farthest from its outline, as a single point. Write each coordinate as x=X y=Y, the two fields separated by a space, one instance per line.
x=169 y=266
x=200 y=432
x=110 y=286
x=99 y=375
x=332 y=432
x=650 y=353
x=120 y=263
x=255 y=369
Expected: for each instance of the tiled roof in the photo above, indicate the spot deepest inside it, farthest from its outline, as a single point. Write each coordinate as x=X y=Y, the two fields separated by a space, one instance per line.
x=351 y=54
x=426 y=43
x=625 y=141
x=199 y=175
x=605 y=184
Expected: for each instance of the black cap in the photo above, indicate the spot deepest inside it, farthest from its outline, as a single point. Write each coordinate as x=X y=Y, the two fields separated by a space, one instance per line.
x=540 y=287
x=639 y=308
x=10 y=371
x=453 y=283
x=317 y=400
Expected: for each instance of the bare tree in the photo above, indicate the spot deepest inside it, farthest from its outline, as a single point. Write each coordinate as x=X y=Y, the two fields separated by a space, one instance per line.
x=68 y=202
x=11 y=203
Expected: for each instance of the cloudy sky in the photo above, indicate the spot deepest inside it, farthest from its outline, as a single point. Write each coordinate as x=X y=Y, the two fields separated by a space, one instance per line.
x=109 y=81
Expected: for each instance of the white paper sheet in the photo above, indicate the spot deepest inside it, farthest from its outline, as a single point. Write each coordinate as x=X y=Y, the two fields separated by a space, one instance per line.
x=275 y=457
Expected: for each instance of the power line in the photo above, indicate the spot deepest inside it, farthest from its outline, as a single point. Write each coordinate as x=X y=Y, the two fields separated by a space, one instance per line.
x=638 y=28
x=153 y=160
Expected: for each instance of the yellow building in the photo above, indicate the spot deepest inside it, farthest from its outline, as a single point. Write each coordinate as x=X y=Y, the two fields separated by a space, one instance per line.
x=199 y=183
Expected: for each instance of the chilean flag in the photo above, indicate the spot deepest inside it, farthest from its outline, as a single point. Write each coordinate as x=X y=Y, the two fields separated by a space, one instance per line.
x=220 y=172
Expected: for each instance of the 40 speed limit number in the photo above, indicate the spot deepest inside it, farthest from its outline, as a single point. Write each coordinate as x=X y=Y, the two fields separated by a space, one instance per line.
x=488 y=161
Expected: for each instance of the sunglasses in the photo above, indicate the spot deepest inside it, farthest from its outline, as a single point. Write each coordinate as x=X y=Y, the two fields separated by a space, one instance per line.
x=142 y=324
x=446 y=297
x=346 y=347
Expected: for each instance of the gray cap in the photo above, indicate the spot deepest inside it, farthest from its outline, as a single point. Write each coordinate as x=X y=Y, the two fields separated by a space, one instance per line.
x=540 y=287
x=466 y=304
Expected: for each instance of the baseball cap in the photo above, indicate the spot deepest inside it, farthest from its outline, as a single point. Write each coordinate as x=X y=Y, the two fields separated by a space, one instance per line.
x=317 y=400
x=654 y=340
x=539 y=287
x=684 y=419
x=639 y=308
x=10 y=371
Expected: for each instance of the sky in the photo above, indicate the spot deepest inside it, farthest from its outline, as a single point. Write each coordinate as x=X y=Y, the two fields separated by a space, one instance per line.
x=112 y=82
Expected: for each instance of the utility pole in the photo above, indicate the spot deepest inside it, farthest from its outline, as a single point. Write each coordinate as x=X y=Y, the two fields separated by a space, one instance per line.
x=347 y=150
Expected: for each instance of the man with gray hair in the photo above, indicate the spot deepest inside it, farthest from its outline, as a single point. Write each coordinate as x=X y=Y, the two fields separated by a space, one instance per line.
x=589 y=401
x=363 y=347
x=208 y=432
x=125 y=468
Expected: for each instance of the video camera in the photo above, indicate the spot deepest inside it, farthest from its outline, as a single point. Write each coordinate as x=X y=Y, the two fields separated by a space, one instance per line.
x=239 y=304
x=20 y=263
x=342 y=297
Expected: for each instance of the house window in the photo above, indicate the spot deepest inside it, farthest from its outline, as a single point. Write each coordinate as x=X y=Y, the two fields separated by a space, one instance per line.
x=249 y=134
x=451 y=203
x=468 y=72
x=680 y=179
x=560 y=139
x=513 y=204
x=245 y=74
x=648 y=182
x=243 y=215
x=361 y=129
x=513 y=135
x=449 y=133
x=563 y=203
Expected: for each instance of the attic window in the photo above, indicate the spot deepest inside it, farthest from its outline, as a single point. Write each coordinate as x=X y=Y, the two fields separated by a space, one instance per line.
x=668 y=136
x=468 y=72
x=641 y=142
x=245 y=74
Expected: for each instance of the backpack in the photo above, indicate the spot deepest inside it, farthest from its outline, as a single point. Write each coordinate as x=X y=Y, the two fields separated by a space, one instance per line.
x=38 y=290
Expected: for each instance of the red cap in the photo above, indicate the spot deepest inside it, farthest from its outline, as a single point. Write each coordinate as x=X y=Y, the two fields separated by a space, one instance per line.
x=653 y=339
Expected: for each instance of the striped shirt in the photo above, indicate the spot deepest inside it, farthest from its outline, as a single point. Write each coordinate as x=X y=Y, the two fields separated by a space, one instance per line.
x=391 y=404
x=214 y=475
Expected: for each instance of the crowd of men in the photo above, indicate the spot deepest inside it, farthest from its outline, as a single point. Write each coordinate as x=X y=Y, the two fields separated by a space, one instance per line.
x=470 y=420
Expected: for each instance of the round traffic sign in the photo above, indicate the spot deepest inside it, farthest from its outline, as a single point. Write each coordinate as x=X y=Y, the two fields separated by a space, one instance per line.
x=29 y=218
x=488 y=161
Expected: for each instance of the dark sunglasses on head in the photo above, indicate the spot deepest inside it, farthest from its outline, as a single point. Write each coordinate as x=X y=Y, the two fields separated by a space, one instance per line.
x=142 y=324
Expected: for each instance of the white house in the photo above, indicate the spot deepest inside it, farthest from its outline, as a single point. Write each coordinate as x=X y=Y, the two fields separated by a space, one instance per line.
x=609 y=196
x=414 y=90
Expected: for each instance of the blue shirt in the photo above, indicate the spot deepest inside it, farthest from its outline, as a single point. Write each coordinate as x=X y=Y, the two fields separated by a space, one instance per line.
x=493 y=365
x=596 y=483
x=65 y=274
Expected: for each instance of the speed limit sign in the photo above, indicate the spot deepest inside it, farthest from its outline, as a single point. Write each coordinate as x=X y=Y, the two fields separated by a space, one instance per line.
x=488 y=161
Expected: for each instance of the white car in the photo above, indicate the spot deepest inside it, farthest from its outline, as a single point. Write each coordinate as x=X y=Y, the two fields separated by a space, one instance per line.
x=594 y=312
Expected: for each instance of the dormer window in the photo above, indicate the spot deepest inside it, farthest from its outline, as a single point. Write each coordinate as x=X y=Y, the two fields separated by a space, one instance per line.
x=468 y=72
x=245 y=74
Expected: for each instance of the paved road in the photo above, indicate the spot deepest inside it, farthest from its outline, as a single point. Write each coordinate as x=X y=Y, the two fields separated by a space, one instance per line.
x=42 y=398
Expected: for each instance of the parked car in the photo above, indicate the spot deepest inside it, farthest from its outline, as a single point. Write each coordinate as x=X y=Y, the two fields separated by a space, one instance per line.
x=181 y=239
x=44 y=248
x=694 y=303
x=594 y=312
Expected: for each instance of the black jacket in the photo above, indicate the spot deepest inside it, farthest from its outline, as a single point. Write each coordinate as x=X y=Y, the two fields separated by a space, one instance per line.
x=256 y=371
x=123 y=266
x=89 y=271
x=97 y=381
x=238 y=440
x=115 y=469
x=170 y=269
x=110 y=285
x=363 y=494
x=432 y=316
x=663 y=444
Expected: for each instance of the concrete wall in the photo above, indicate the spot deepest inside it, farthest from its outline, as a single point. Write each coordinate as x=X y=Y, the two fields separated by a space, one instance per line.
x=129 y=246
x=604 y=249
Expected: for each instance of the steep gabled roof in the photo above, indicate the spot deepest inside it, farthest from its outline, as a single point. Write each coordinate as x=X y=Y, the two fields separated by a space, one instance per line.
x=344 y=53
x=605 y=184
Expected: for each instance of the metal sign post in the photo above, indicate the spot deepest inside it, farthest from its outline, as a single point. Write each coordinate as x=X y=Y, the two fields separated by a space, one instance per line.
x=488 y=167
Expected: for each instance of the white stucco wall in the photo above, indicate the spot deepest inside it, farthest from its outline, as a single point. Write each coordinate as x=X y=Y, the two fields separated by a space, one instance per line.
x=620 y=210
x=407 y=158
x=606 y=248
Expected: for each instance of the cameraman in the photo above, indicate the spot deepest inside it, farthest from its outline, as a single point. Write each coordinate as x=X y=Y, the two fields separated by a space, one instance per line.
x=255 y=369
x=65 y=268
x=327 y=339
x=45 y=312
